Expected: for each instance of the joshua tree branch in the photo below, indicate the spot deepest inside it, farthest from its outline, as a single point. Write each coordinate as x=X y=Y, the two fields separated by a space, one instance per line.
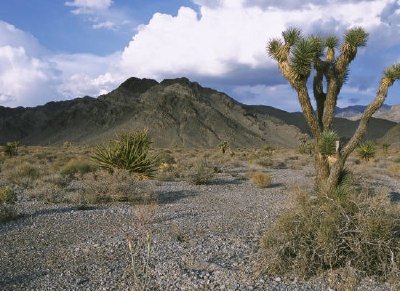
x=385 y=83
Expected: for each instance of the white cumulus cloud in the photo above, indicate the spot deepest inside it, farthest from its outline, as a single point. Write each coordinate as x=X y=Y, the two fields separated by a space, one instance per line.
x=222 y=43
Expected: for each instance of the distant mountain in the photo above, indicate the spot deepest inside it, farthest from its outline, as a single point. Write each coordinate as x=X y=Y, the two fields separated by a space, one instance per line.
x=177 y=112
x=387 y=112
x=376 y=127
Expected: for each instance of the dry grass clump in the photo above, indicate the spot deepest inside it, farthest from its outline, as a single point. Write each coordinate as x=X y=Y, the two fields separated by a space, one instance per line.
x=393 y=170
x=140 y=247
x=23 y=174
x=358 y=230
x=121 y=185
x=77 y=166
x=260 y=179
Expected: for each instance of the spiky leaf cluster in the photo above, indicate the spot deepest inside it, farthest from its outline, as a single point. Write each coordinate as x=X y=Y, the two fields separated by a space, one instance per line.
x=130 y=151
x=356 y=37
x=304 y=54
x=327 y=143
x=291 y=36
x=393 y=72
x=331 y=42
x=274 y=47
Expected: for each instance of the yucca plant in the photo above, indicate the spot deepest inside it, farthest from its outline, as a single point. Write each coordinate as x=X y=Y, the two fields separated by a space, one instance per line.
x=11 y=148
x=129 y=151
x=366 y=150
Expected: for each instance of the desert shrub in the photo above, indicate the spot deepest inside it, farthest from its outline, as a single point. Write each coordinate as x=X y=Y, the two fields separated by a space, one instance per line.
x=267 y=150
x=260 y=179
x=327 y=142
x=129 y=151
x=306 y=146
x=121 y=186
x=7 y=199
x=223 y=146
x=366 y=150
x=200 y=173
x=359 y=231
x=77 y=166
x=23 y=174
x=166 y=158
x=11 y=148
x=385 y=147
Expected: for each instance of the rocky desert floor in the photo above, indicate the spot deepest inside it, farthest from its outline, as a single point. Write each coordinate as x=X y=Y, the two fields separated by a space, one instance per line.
x=189 y=237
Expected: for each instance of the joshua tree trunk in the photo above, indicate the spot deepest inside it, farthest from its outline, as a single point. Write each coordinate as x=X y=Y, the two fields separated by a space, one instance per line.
x=296 y=57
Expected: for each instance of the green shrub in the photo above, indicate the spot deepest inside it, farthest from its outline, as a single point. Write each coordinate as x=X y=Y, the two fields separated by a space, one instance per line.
x=129 y=151
x=76 y=166
x=366 y=150
x=7 y=198
x=7 y=195
x=11 y=148
x=358 y=231
x=327 y=143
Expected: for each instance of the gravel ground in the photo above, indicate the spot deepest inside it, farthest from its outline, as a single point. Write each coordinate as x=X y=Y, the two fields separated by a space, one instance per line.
x=202 y=237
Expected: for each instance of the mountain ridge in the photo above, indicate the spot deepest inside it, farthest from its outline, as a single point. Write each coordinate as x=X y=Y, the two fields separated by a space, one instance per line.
x=177 y=112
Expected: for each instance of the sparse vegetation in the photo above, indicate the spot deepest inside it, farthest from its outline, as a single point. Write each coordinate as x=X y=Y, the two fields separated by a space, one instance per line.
x=306 y=146
x=7 y=199
x=129 y=151
x=10 y=149
x=223 y=146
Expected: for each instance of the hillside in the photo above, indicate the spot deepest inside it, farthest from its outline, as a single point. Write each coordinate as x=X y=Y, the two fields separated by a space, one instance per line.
x=392 y=137
x=177 y=112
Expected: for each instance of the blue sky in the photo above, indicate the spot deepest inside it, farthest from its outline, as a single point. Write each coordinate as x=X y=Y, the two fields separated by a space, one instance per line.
x=56 y=50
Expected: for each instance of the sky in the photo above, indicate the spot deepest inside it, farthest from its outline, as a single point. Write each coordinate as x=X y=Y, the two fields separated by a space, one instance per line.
x=53 y=50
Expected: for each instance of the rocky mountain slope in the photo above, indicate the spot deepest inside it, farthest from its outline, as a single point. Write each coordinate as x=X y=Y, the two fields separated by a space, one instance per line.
x=177 y=112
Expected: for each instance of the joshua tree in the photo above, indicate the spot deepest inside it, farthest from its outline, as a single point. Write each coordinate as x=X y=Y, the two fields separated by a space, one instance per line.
x=297 y=56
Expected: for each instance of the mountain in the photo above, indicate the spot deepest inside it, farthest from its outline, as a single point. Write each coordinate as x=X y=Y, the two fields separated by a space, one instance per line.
x=177 y=112
x=391 y=113
x=392 y=137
